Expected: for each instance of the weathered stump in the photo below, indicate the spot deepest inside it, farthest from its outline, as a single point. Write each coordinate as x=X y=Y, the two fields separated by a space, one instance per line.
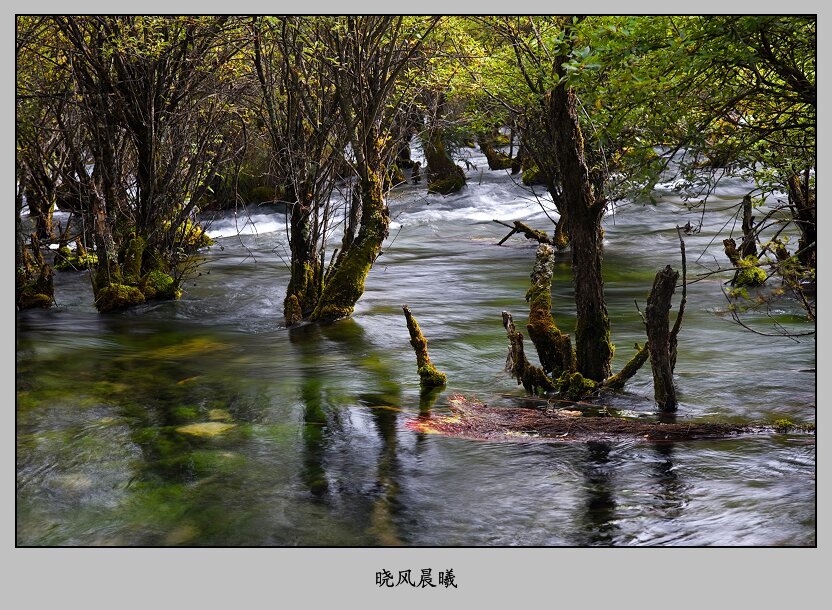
x=429 y=376
x=662 y=341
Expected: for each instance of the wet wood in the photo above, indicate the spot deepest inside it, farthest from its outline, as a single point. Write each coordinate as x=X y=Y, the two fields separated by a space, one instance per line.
x=471 y=419
x=662 y=341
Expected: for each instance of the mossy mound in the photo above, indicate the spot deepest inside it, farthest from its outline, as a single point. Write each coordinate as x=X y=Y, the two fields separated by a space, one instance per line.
x=575 y=386
x=751 y=277
x=190 y=236
x=448 y=185
x=33 y=300
x=159 y=285
x=291 y=310
x=118 y=296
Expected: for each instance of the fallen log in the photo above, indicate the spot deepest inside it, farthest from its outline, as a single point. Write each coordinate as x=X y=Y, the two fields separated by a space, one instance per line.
x=474 y=420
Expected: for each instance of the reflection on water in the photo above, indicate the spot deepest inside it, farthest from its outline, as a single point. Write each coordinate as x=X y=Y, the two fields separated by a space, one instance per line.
x=206 y=422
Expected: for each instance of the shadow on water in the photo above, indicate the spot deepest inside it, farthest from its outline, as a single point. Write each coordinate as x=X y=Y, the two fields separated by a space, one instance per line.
x=381 y=402
x=670 y=490
x=599 y=527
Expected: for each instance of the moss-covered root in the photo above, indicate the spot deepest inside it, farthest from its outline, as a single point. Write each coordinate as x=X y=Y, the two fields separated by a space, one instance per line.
x=617 y=381
x=533 y=379
x=554 y=348
x=429 y=377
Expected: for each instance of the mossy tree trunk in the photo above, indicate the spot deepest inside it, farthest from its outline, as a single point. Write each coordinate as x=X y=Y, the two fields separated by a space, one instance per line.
x=749 y=235
x=554 y=348
x=584 y=212
x=34 y=278
x=344 y=283
x=429 y=376
x=369 y=111
x=444 y=176
x=496 y=159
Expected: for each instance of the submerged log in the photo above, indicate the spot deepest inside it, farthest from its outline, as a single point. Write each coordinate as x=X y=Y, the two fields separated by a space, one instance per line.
x=471 y=419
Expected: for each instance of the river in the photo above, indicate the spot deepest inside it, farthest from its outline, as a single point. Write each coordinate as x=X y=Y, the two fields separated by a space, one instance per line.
x=204 y=421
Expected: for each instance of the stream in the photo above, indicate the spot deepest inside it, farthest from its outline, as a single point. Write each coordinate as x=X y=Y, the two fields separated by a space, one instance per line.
x=204 y=421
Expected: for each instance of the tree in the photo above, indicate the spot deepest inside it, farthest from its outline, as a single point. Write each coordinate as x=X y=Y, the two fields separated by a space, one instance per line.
x=153 y=106
x=307 y=136
x=364 y=59
x=744 y=104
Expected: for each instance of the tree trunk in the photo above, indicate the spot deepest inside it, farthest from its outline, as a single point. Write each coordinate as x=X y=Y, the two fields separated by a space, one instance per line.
x=554 y=348
x=304 y=283
x=749 y=239
x=533 y=378
x=345 y=284
x=661 y=340
x=444 y=176
x=802 y=202
x=583 y=216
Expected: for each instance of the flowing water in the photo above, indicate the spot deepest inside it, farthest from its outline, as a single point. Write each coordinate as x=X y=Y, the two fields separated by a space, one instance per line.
x=205 y=421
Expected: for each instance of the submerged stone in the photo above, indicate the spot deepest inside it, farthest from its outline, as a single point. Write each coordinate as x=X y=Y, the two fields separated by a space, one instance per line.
x=219 y=415
x=205 y=429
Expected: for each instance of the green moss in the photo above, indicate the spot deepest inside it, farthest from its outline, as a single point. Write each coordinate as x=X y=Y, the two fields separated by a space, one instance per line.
x=575 y=386
x=159 y=285
x=750 y=274
x=429 y=377
x=347 y=283
x=131 y=268
x=531 y=175
x=76 y=263
x=34 y=300
x=783 y=425
x=189 y=235
x=118 y=296
x=446 y=186
x=184 y=414
x=291 y=310
x=302 y=293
